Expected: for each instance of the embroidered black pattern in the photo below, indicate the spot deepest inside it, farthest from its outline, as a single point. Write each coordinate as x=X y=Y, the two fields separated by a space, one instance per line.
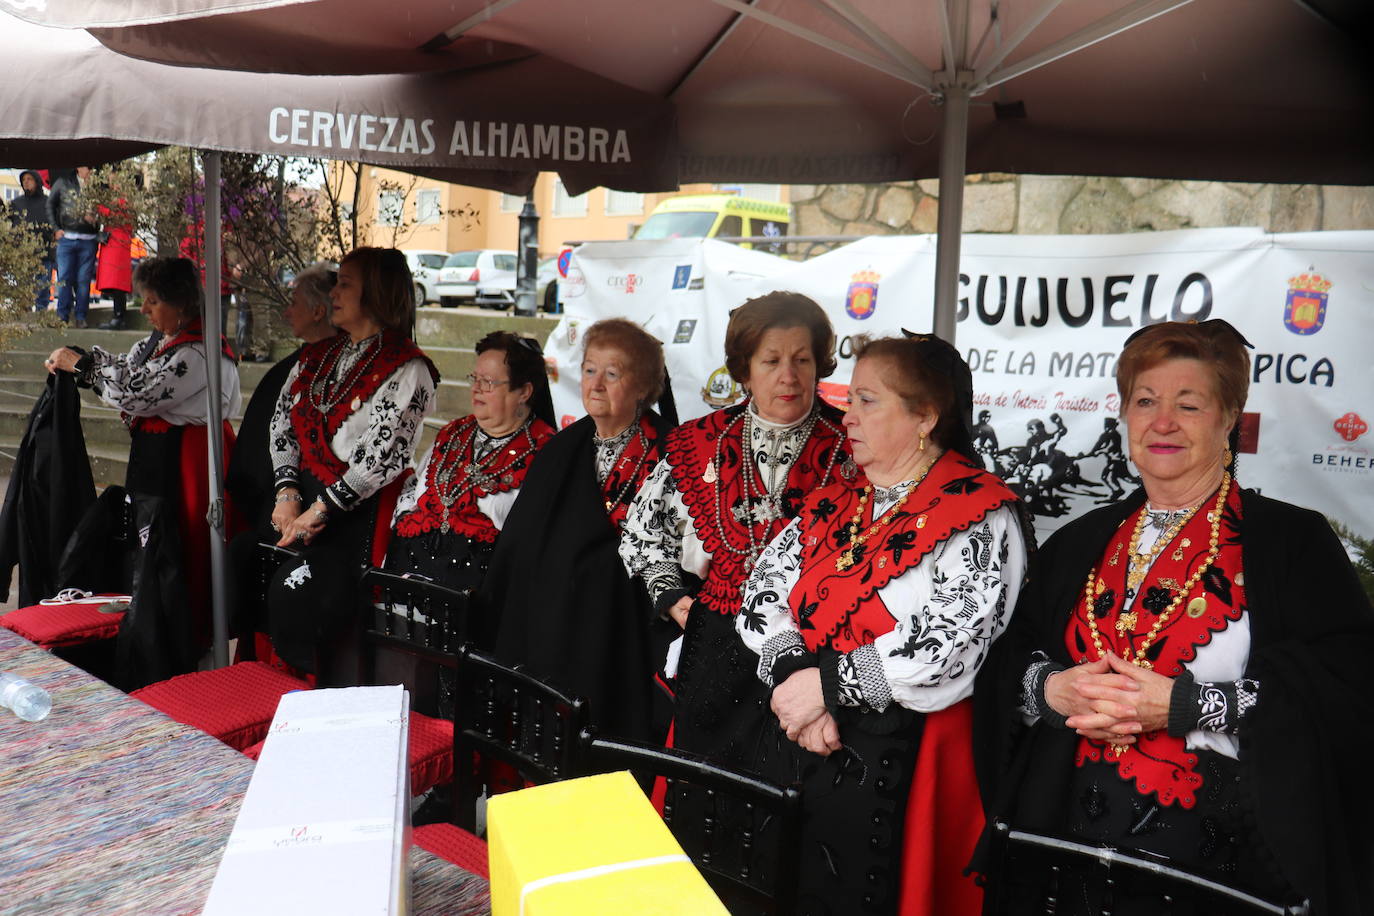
x=1223 y=706
x=783 y=644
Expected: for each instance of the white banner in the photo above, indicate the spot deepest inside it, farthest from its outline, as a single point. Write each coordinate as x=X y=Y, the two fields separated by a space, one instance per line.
x=680 y=290
x=1041 y=322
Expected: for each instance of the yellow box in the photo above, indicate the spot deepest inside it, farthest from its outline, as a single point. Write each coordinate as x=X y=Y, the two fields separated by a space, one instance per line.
x=589 y=847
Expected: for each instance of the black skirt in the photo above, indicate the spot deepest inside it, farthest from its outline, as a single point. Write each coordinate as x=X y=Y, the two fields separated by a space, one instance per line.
x=1216 y=839
x=853 y=810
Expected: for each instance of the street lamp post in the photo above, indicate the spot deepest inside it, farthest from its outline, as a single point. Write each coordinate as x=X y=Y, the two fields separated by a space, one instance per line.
x=528 y=253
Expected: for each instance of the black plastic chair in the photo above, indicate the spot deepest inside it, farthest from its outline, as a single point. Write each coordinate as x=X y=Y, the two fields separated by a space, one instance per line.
x=509 y=729
x=412 y=616
x=1054 y=860
x=741 y=831
x=411 y=630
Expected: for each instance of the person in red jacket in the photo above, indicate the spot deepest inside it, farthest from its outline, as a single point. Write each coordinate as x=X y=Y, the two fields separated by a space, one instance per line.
x=114 y=263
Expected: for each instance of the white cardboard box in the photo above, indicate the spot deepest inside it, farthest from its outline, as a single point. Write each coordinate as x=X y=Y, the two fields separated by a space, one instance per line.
x=325 y=826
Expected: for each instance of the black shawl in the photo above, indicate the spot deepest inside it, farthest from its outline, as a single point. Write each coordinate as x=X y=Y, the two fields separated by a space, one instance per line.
x=1304 y=750
x=249 y=479
x=557 y=598
x=50 y=490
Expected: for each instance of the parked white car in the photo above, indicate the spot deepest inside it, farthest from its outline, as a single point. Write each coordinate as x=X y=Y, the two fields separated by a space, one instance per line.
x=500 y=293
x=464 y=271
x=424 y=269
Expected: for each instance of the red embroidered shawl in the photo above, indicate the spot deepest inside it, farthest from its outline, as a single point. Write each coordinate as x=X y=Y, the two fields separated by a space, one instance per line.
x=629 y=472
x=842 y=609
x=1158 y=762
x=505 y=470
x=692 y=447
x=315 y=430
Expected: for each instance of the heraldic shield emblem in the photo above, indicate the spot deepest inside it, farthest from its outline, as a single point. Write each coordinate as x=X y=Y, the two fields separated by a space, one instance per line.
x=1305 y=311
x=862 y=299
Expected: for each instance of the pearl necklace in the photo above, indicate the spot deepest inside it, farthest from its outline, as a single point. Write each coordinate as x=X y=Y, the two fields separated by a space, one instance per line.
x=768 y=508
x=634 y=472
x=325 y=395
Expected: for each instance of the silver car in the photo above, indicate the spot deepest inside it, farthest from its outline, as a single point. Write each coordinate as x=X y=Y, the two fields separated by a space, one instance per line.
x=465 y=271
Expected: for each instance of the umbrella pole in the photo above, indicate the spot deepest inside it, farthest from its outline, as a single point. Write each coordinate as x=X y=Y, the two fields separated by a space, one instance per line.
x=953 y=153
x=214 y=358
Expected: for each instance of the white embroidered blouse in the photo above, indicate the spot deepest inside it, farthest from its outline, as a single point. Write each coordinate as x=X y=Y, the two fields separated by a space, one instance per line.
x=946 y=612
x=377 y=441
x=171 y=386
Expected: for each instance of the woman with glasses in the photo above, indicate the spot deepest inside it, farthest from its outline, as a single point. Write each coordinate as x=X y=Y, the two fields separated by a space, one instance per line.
x=454 y=505
x=1184 y=676
x=344 y=431
x=557 y=596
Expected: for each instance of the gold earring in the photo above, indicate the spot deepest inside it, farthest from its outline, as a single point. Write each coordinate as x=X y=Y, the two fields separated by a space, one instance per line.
x=922 y=445
x=1226 y=457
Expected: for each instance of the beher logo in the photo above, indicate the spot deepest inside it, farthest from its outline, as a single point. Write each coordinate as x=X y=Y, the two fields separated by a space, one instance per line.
x=682 y=275
x=1305 y=311
x=862 y=299
x=626 y=282
x=1350 y=427
x=720 y=390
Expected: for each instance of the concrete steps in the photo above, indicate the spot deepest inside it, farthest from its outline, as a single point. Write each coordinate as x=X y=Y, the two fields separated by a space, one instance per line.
x=447 y=336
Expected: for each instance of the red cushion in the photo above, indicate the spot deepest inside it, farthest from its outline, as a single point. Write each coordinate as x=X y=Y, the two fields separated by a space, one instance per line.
x=54 y=625
x=455 y=844
x=431 y=752
x=235 y=704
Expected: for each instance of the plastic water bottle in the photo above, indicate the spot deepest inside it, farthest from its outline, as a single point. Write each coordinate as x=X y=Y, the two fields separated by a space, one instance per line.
x=28 y=701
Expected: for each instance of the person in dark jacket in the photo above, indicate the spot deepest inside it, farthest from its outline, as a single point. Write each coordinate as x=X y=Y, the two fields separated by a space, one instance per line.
x=77 y=228
x=31 y=209
x=1184 y=676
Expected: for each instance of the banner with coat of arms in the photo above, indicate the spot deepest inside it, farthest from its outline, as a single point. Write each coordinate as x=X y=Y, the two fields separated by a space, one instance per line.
x=1041 y=322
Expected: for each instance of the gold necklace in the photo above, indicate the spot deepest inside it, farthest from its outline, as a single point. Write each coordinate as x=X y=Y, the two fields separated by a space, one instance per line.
x=846 y=559
x=1136 y=566
x=1094 y=587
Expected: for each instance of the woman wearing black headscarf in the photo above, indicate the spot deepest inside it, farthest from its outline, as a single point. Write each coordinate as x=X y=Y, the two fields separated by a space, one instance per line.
x=454 y=505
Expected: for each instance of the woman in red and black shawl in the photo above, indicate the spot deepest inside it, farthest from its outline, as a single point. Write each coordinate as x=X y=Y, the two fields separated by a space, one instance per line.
x=556 y=595
x=1185 y=677
x=455 y=504
x=344 y=430
x=869 y=617
x=160 y=390
x=727 y=484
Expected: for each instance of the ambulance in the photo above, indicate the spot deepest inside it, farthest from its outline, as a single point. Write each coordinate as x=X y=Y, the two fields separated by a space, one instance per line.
x=717 y=216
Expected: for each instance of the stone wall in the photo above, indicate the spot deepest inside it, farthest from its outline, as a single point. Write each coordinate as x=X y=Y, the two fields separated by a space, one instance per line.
x=1039 y=205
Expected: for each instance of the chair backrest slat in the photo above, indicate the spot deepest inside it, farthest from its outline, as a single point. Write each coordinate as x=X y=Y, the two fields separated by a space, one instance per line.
x=1023 y=859
x=509 y=729
x=740 y=830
